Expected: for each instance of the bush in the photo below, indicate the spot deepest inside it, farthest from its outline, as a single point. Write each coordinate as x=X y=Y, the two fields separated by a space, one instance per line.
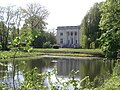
x=47 y=45
x=56 y=46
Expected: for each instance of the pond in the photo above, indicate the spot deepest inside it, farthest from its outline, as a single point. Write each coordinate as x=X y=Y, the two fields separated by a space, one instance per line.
x=91 y=67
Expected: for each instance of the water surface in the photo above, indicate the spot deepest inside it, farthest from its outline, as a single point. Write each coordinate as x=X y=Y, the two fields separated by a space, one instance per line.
x=86 y=67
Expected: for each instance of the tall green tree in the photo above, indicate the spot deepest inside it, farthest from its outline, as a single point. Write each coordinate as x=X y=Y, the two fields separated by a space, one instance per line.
x=84 y=35
x=90 y=31
x=110 y=26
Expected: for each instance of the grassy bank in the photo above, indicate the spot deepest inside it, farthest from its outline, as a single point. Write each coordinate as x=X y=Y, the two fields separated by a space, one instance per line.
x=19 y=54
x=68 y=50
x=72 y=52
x=53 y=52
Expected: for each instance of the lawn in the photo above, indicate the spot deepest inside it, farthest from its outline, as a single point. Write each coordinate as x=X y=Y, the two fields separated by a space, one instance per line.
x=53 y=52
x=68 y=50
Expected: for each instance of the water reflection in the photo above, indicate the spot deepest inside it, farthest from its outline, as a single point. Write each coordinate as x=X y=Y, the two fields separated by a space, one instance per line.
x=91 y=68
x=10 y=75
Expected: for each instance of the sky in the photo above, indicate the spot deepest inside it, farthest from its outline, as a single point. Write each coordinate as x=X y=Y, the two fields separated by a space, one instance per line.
x=62 y=12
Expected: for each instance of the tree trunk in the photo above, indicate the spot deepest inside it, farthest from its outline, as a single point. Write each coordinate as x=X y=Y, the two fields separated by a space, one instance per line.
x=4 y=39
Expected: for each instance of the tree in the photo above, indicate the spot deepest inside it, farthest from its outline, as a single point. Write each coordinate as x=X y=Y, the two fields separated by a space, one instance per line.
x=110 y=26
x=9 y=22
x=44 y=37
x=3 y=33
x=50 y=37
x=84 y=38
x=90 y=31
x=9 y=18
x=35 y=16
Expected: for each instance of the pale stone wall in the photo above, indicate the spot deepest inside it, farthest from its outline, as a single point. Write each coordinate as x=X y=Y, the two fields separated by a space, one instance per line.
x=68 y=36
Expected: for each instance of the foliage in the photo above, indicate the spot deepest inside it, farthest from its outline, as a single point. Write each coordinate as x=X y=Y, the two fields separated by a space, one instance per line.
x=110 y=26
x=47 y=45
x=9 y=18
x=33 y=80
x=110 y=81
x=23 y=42
x=50 y=36
x=35 y=16
x=43 y=38
x=90 y=31
x=3 y=33
x=113 y=82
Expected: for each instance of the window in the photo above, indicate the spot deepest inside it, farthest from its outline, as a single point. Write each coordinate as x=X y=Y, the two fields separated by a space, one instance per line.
x=67 y=33
x=61 y=34
x=76 y=41
x=61 y=41
x=75 y=33
x=68 y=41
x=71 y=40
x=71 y=33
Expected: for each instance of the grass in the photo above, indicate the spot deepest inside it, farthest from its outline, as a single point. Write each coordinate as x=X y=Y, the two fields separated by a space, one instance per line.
x=72 y=52
x=52 y=52
x=9 y=54
x=68 y=50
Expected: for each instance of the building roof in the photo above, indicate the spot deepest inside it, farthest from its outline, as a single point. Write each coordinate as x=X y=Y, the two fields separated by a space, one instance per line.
x=67 y=27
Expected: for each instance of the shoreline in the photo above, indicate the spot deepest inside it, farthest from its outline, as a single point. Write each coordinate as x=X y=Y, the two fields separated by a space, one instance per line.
x=51 y=56
x=59 y=53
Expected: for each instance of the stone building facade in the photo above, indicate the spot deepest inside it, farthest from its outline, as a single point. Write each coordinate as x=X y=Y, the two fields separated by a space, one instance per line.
x=68 y=36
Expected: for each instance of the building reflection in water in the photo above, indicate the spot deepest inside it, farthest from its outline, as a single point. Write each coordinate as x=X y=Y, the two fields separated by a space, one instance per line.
x=91 y=68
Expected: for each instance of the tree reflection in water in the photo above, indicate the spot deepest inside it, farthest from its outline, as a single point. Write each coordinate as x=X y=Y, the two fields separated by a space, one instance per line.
x=91 y=68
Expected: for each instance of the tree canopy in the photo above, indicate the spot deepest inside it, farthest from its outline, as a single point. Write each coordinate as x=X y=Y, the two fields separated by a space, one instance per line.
x=110 y=26
x=90 y=31
x=33 y=17
x=8 y=19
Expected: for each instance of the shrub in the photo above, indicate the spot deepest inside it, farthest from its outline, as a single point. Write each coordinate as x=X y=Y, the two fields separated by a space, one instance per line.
x=56 y=46
x=47 y=45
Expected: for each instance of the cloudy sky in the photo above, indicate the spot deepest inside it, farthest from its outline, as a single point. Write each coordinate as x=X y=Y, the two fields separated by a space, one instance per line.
x=62 y=12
